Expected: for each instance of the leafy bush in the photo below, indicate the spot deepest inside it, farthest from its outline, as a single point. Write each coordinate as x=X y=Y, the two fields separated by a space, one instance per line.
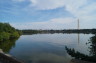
x=5 y=35
x=8 y=32
x=1 y=37
x=15 y=34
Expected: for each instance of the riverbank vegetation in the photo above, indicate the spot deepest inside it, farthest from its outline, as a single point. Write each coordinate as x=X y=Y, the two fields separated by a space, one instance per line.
x=24 y=32
x=8 y=32
x=81 y=56
x=84 y=31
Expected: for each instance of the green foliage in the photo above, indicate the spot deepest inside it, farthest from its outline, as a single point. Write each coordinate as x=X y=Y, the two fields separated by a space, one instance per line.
x=15 y=34
x=6 y=27
x=20 y=32
x=8 y=32
x=1 y=37
x=5 y=35
x=7 y=45
x=31 y=31
x=81 y=56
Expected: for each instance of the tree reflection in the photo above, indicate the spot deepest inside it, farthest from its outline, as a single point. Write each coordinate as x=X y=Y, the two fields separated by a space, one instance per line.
x=81 y=56
x=93 y=45
x=7 y=45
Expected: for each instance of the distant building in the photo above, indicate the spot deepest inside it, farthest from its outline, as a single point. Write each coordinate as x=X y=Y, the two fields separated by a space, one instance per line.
x=78 y=26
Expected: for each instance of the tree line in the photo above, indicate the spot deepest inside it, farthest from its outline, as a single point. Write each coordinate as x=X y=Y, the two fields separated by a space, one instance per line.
x=86 y=31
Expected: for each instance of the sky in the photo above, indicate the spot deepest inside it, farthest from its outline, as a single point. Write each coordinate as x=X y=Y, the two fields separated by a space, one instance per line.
x=48 y=14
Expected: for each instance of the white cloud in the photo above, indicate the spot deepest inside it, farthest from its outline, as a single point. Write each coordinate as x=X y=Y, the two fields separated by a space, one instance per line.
x=57 y=23
x=76 y=7
x=52 y=4
x=81 y=9
x=47 y=4
x=18 y=0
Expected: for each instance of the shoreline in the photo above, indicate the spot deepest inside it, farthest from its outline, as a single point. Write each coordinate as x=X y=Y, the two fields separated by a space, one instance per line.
x=6 y=58
x=79 y=61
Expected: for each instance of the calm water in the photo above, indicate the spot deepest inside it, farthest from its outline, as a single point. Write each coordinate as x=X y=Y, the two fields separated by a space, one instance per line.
x=47 y=48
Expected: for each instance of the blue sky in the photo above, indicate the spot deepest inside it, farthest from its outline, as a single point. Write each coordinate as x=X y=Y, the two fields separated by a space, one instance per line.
x=48 y=14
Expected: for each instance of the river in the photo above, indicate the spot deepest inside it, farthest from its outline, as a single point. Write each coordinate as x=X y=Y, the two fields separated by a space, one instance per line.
x=47 y=48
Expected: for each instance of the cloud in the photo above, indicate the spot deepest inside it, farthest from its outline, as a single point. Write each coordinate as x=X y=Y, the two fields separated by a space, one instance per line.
x=76 y=7
x=18 y=0
x=47 y=4
x=52 y=4
x=82 y=9
x=56 y=23
x=79 y=8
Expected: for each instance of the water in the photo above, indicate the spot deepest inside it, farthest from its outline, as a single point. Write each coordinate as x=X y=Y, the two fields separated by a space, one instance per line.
x=47 y=48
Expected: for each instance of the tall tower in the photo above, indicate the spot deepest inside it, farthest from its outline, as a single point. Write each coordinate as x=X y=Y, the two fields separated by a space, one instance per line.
x=78 y=25
x=78 y=29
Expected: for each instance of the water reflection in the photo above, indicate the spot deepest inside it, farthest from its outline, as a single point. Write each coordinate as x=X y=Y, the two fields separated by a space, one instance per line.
x=45 y=48
x=7 y=45
x=81 y=56
x=78 y=38
x=41 y=53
